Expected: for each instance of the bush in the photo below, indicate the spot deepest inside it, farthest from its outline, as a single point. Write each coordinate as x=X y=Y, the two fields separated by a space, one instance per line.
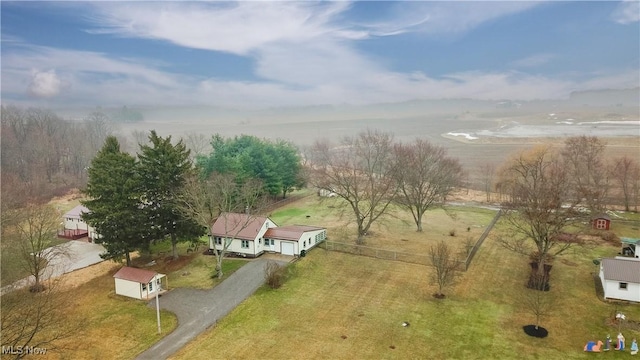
x=610 y=237
x=274 y=274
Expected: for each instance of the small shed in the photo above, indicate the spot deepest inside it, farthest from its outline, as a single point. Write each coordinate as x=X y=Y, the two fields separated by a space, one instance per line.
x=621 y=278
x=601 y=222
x=139 y=283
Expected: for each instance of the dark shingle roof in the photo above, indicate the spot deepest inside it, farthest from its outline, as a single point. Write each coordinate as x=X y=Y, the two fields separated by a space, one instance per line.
x=601 y=216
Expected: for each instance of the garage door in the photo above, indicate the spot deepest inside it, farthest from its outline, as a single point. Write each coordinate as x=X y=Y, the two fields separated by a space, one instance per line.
x=286 y=248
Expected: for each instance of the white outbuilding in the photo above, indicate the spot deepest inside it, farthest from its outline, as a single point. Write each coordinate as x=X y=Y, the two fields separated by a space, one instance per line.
x=139 y=283
x=621 y=278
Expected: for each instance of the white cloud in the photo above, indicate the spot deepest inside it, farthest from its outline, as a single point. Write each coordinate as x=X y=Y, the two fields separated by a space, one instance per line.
x=627 y=12
x=439 y=17
x=44 y=84
x=303 y=55
x=236 y=28
x=96 y=79
x=533 y=61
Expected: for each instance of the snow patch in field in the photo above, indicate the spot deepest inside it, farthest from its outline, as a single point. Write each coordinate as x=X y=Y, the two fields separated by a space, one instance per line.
x=619 y=122
x=467 y=136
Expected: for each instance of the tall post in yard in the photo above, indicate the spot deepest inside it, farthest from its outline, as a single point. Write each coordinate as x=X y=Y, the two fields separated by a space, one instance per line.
x=155 y=280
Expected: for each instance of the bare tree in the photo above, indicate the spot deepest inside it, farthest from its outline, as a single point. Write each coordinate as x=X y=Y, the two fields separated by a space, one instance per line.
x=538 y=301
x=197 y=143
x=206 y=201
x=36 y=229
x=360 y=171
x=98 y=127
x=140 y=137
x=425 y=176
x=445 y=265
x=583 y=158
x=540 y=208
x=487 y=178
x=626 y=174
x=36 y=320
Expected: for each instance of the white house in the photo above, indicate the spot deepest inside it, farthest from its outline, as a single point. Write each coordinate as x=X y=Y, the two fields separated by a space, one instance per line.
x=243 y=232
x=75 y=227
x=139 y=283
x=621 y=278
x=294 y=239
x=253 y=235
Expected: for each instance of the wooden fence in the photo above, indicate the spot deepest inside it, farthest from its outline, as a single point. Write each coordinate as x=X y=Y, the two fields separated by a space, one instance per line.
x=421 y=259
x=478 y=243
x=280 y=203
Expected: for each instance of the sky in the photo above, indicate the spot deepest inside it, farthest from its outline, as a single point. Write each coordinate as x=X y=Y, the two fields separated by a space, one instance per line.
x=284 y=53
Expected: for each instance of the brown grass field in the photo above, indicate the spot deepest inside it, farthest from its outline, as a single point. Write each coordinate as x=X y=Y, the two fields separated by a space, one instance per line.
x=339 y=306
x=336 y=306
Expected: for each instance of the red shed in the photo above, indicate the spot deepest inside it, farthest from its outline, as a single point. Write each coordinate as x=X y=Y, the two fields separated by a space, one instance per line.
x=601 y=222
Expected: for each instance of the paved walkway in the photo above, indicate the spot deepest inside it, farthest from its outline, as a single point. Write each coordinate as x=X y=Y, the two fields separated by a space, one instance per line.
x=66 y=257
x=197 y=310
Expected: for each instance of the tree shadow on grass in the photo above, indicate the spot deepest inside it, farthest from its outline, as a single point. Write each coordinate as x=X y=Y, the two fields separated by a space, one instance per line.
x=531 y=330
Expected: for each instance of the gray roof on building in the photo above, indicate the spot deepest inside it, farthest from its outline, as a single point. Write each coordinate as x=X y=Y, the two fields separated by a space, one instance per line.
x=626 y=270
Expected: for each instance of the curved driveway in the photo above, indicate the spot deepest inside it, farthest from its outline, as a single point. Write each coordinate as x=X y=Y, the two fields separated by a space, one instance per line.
x=197 y=310
x=64 y=258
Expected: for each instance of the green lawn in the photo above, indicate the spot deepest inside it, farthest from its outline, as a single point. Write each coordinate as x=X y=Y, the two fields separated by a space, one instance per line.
x=397 y=231
x=199 y=271
x=339 y=306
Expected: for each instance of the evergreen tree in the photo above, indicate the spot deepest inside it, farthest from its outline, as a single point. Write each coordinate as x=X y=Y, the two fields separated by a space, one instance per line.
x=289 y=167
x=276 y=165
x=164 y=168
x=114 y=196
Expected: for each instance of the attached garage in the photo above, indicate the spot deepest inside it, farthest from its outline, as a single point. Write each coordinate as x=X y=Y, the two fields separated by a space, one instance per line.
x=287 y=248
x=292 y=240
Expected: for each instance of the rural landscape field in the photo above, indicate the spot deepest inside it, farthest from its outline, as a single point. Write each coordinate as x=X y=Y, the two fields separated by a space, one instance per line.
x=320 y=180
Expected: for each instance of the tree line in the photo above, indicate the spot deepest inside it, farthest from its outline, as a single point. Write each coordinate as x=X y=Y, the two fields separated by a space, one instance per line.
x=551 y=194
x=42 y=152
x=162 y=194
x=371 y=171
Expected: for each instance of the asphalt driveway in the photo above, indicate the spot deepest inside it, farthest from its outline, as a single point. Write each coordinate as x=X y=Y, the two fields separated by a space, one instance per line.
x=66 y=257
x=197 y=310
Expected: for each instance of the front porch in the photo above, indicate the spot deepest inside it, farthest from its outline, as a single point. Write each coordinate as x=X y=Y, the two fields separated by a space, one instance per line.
x=73 y=234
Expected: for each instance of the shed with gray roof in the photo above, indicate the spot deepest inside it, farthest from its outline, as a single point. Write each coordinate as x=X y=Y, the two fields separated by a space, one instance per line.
x=621 y=278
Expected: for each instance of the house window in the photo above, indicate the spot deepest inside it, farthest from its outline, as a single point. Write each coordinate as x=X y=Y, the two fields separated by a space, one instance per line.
x=304 y=244
x=218 y=241
x=144 y=287
x=245 y=244
x=260 y=241
x=623 y=286
x=268 y=242
x=151 y=286
x=601 y=224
